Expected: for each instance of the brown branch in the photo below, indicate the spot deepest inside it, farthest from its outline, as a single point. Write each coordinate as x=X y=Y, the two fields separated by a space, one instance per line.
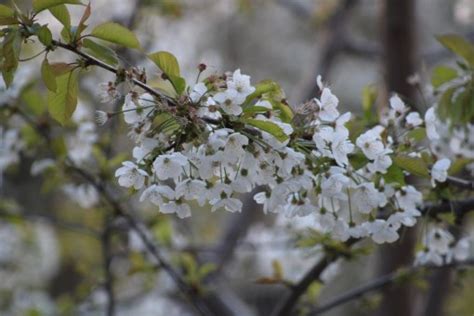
x=378 y=284
x=286 y=306
x=96 y=62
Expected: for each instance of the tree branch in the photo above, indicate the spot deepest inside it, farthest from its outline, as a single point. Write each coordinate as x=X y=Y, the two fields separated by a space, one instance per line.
x=133 y=223
x=461 y=183
x=94 y=61
x=286 y=306
x=460 y=208
x=377 y=284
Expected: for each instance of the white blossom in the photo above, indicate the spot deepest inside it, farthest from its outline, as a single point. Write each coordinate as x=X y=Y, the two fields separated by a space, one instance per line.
x=170 y=166
x=431 y=122
x=439 y=172
x=413 y=119
x=328 y=106
x=241 y=85
x=130 y=175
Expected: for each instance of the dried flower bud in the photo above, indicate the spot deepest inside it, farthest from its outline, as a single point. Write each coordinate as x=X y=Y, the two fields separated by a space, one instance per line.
x=101 y=117
x=202 y=67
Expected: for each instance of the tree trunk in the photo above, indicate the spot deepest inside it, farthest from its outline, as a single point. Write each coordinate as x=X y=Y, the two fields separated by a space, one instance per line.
x=398 y=24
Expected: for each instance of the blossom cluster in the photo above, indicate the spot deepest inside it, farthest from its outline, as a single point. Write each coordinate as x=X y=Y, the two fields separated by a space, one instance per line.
x=307 y=173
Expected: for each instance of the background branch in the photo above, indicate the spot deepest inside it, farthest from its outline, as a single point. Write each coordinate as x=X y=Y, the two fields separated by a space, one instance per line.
x=379 y=283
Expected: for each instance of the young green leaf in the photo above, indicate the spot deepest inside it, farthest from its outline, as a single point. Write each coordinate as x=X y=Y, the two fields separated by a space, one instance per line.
x=285 y=112
x=11 y=52
x=63 y=102
x=166 y=62
x=40 y=5
x=170 y=67
x=417 y=134
x=34 y=100
x=179 y=84
x=458 y=45
x=261 y=88
x=413 y=165
x=61 y=13
x=252 y=110
x=100 y=52
x=269 y=127
x=45 y=36
x=394 y=174
x=6 y=12
x=115 y=33
x=442 y=74
x=48 y=76
x=369 y=96
x=82 y=23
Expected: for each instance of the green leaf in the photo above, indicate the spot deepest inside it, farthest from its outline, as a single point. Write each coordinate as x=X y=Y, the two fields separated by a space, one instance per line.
x=8 y=21
x=251 y=110
x=40 y=5
x=394 y=175
x=458 y=45
x=442 y=74
x=11 y=52
x=206 y=269
x=34 y=100
x=445 y=104
x=6 y=12
x=458 y=165
x=45 y=36
x=82 y=23
x=369 y=96
x=61 y=13
x=168 y=64
x=269 y=127
x=66 y=35
x=261 y=88
x=115 y=33
x=413 y=165
x=48 y=76
x=449 y=218
x=277 y=269
x=358 y=160
x=60 y=69
x=101 y=52
x=285 y=112
x=418 y=134
x=63 y=102
x=179 y=84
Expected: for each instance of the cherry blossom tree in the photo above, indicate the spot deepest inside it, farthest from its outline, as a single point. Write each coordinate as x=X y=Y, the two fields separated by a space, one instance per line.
x=341 y=181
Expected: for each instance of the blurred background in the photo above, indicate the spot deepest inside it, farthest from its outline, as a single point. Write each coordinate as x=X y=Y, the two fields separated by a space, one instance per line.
x=51 y=256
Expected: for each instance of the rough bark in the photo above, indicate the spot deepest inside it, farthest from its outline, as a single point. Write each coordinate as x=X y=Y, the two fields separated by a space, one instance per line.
x=399 y=34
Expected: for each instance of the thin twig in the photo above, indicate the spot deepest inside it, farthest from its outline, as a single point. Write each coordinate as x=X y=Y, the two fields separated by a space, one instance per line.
x=461 y=183
x=94 y=61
